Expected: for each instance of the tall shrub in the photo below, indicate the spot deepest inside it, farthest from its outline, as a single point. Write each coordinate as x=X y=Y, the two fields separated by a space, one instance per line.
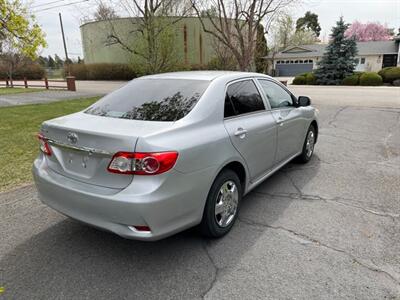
x=28 y=71
x=390 y=74
x=370 y=79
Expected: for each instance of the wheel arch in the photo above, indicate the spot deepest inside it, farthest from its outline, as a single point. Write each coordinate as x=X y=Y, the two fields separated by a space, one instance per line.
x=315 y=124
x=237 y=167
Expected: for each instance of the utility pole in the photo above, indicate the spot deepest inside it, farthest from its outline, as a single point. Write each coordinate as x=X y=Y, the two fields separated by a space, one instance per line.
x=65 y=45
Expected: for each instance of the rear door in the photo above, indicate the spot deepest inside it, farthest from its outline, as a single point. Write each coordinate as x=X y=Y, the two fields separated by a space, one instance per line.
x=291 y=124
x=251 y=127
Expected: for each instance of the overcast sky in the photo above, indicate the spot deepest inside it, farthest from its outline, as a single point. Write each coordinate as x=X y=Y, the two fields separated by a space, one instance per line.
x=384 y=11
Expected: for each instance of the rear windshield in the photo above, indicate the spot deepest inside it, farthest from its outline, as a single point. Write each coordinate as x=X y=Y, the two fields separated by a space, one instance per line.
x=151 y=100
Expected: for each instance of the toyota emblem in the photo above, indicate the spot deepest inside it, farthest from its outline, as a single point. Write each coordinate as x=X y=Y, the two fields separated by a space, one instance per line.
x=72 y=137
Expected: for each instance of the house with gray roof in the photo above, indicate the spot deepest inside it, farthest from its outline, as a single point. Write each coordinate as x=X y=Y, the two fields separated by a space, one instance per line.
x=372 y=56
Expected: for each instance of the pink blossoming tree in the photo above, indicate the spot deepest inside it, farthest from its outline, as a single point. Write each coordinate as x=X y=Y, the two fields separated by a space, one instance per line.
x=368 y=32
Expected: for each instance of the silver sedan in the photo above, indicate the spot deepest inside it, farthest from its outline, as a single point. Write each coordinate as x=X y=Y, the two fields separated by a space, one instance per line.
x=170 y=151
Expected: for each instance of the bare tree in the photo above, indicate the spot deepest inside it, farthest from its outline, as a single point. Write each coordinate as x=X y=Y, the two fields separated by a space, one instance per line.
x=104 y=12
x=223 y=59
x=11 y=58
x=234 y=23
x=282 y=34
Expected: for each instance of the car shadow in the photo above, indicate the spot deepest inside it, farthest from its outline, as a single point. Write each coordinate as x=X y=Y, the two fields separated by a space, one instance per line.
x=72 y=260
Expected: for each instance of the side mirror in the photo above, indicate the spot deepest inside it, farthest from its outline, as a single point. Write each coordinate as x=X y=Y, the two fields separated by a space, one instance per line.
x=304 y=101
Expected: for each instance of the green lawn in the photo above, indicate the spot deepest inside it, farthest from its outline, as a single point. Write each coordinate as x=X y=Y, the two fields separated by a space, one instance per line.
x=17 y=90
x=18 y=144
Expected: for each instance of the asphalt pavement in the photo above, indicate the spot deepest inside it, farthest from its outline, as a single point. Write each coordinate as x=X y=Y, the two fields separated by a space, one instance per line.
x=329 y=229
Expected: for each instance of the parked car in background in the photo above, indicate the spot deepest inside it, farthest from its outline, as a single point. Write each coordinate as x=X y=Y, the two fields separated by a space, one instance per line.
x=170 y=151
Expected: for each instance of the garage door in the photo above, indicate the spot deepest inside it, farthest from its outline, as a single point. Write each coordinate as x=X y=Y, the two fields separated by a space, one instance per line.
x=293 y=69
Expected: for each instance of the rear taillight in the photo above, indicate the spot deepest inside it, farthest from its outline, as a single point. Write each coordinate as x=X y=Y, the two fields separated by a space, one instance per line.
x=44 y=146
x=140 y=163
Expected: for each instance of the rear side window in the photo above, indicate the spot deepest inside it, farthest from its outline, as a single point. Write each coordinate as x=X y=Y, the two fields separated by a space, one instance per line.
x=242 y=97
x=151 y=100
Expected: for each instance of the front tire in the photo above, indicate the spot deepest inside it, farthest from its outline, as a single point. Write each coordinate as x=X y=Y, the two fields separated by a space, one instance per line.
x=308 y=146
x=222 y=205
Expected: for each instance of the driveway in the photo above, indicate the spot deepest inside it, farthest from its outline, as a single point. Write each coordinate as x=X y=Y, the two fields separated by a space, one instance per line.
x=326 y=230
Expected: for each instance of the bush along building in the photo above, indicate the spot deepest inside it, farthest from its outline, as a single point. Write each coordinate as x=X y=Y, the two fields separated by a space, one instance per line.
x=371 y=57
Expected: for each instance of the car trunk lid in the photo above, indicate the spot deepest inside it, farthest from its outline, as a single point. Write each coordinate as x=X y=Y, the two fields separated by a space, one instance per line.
x=82 y=145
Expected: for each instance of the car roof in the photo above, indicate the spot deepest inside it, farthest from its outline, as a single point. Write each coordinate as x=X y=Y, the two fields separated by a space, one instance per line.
x=202 y=75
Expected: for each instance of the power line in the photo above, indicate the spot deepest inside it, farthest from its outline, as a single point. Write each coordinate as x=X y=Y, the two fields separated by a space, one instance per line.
x=68 y=4
x=48 y=3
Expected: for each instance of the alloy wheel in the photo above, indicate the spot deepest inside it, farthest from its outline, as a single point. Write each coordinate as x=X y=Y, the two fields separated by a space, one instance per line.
x=226 y=203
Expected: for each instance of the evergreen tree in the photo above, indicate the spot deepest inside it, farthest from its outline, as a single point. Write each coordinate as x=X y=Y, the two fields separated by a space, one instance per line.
x=309 y=22
x=51 y=63
x=59 y=63
x=261 y=50
x=43 y=61
x=338 y=60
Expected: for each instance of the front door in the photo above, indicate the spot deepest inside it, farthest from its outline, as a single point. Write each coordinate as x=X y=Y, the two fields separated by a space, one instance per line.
x=252 y=129
x=291 y=126
x=389 y=60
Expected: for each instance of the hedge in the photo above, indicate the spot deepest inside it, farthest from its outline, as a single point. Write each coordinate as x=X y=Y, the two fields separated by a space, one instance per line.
x=353 y=79
x=305 y=78
x=390 y=74
x=370 y=79
x=311 y=79
x=299 y=80
x=383 y=71
x=30 y=71
x=101 y=71
x=358 y=78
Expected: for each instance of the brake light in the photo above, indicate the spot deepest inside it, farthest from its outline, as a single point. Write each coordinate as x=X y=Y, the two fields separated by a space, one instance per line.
x=44 y=146
x=140 y=163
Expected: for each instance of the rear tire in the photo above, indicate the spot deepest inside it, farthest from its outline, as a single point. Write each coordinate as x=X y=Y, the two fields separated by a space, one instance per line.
x=308 y=146
x=222 y=205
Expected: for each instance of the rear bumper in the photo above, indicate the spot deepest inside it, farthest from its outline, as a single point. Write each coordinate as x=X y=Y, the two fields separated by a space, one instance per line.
x=167 y=203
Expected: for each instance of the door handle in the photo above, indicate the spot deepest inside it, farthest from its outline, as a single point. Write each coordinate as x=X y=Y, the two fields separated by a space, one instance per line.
x=240 y=132
x=280 y=121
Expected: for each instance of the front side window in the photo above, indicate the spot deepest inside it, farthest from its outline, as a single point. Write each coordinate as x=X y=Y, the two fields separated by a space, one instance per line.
x=242 y=97
x=276 y=95
x=151 y=100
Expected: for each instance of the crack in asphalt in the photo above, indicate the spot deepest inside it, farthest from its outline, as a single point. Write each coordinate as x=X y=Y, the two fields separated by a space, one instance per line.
x=297 y=188
x=216 y=270
x=336 y=200
x=344 y=138
x=304 y=239
x=388 y=151
x=337 y=113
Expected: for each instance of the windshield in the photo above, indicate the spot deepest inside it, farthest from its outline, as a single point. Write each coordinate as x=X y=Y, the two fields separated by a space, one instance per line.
x=151 y=100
